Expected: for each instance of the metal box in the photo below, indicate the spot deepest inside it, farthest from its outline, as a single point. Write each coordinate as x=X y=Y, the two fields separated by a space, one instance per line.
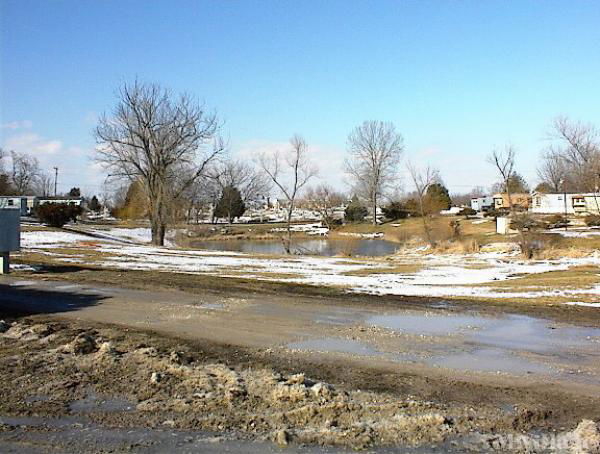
x=10 y=229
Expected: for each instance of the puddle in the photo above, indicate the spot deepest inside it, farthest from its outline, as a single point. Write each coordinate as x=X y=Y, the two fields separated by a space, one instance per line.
x=489 y=360
x=213 y=306
x=38 y=421
x=97 y=403
x=353 y=347
x=494 y=344
x=339 y=317
x=441 y=305
x=533 y=334
x=513 y=332
x=334 y=345
x=429 y=324
x=78 y=435
x=22 y=283
x=37 y=398
x=67 y=287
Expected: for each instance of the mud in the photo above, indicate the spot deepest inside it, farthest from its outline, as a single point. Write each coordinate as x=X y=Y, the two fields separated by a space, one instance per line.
x=73 y=375
x=218 y=363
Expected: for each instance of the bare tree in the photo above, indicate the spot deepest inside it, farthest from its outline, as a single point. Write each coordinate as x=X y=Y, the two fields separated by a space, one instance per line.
x=578 y=146
x=375 y=150
x=422 y=180
x=553 y=170
x=504 y=162
x=251 y=182
x=25 y=170
x=44 y=184
x=324 y=199
x=163 y=141
x=5 y=184
x=2 y=158
x=290 y=171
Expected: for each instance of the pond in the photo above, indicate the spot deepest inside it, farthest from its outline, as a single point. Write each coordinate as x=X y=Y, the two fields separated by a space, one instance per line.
x=324 y=247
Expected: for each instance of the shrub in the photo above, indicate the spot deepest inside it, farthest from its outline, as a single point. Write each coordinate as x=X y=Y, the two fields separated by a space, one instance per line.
x=592 y=220
x=496 y=213
x=557 y=220
x=530 y=242
x=57 y=214
x=455 y=228
x=355 y=211
x=395 y=210
x=526 y=223
x=468 y=211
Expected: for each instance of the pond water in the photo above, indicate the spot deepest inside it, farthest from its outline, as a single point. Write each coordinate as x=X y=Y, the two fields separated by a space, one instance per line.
x=324 y=247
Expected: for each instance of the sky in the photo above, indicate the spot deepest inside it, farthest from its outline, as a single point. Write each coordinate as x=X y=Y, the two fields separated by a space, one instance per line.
x=457 y=78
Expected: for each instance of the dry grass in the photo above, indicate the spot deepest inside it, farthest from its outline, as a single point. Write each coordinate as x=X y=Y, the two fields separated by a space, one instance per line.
x=577 y=277
x=463 y=246
x=411 y=230
x=406 y=268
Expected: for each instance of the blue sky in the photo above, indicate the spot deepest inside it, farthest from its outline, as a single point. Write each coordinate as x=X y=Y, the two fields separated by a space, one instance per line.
x=456 y=78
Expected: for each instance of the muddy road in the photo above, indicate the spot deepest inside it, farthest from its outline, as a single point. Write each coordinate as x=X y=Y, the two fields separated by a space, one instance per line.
x=236 y=369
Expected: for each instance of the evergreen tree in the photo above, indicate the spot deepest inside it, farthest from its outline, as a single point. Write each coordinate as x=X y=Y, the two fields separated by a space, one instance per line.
x=517 y=184
x=355 y=211
x=543 y=187
x=437 y=198
x=395 y=210
x=230 y=205
x=74 y=192
x=94 y=204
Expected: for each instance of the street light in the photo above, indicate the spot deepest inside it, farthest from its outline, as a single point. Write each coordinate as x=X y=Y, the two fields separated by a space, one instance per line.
x=562 y=183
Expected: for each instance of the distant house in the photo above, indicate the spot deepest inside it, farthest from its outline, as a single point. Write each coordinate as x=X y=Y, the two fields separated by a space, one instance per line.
x=452 y=211
x=60 y=199
x=545 y=203
x=584 y=204
x=481 y=204
x=25 y=203
x=577 y=204
x=517 y=201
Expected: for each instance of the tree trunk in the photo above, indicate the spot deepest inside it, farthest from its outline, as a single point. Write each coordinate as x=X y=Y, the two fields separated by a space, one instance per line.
x=288 y=243
x=374 y=209
x=158 y=233
x=508 y=196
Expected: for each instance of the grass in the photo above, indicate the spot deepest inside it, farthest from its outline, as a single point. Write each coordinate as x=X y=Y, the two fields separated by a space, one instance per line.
x=404 y=230
x=576 y=277
x=407 y=268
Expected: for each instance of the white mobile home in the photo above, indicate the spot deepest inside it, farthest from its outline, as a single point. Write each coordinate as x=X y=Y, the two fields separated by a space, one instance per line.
x=66 y=200
x=584 y=204
x=482 y=203
x=25 y=203
x=552 y=203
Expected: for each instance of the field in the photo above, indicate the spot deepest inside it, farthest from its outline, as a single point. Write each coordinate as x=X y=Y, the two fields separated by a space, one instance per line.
x=496 y=273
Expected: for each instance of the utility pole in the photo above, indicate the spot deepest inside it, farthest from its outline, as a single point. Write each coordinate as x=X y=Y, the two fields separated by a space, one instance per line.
x=55 y=180
x=564 y=187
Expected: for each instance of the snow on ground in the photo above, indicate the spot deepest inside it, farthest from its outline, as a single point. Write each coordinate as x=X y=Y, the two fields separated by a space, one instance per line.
x=438 y=276
x=23 y=267
x=582 y=303
x=138 y=235
x=571 y=234
x=50 y=239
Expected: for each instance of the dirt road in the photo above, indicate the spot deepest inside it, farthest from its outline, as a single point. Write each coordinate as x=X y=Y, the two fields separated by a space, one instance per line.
x=464 y=371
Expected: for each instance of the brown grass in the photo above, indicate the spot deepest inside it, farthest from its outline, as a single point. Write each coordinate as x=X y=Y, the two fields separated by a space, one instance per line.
x=406 y=268
x=577 y=277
